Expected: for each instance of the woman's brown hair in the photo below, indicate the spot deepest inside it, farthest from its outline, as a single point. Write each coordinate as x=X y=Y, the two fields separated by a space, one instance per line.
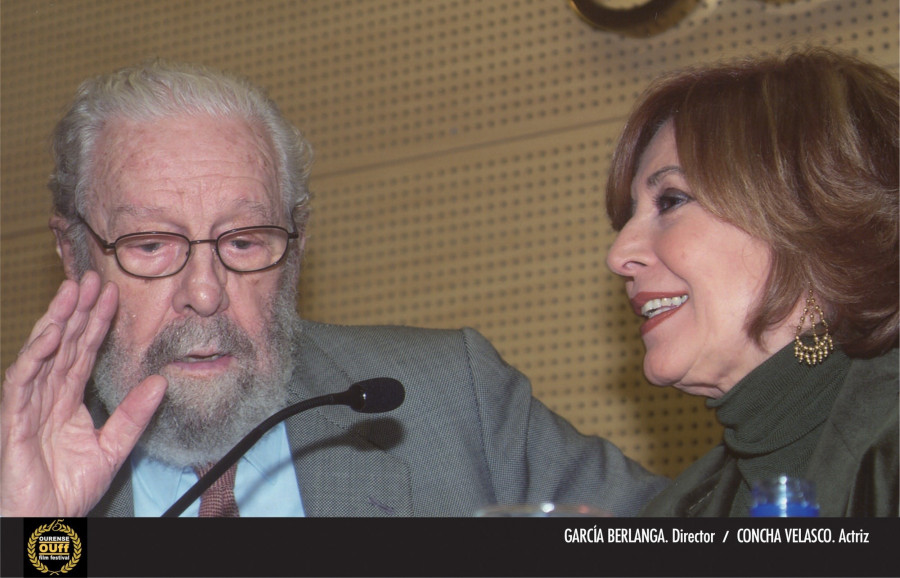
x=800 y=151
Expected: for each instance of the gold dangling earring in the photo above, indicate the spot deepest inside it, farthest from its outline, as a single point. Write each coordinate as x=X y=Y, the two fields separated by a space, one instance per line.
x=822 y=345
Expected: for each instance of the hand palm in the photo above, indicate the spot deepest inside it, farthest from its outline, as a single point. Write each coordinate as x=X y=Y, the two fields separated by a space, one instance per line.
x=54 y=462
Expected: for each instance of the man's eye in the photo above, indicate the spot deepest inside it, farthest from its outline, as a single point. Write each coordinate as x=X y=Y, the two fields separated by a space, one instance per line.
x=243 y=243
x=148 y=248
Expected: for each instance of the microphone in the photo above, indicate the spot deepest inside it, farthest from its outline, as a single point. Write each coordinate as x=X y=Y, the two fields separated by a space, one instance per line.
x=375 y=395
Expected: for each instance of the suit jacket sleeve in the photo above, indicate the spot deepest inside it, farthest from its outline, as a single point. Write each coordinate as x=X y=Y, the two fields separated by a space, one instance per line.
x=469 y=433
x=535 y=455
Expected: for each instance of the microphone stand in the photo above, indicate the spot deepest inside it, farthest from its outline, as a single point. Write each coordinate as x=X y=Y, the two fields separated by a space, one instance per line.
x=237 y=451
x=374 y=395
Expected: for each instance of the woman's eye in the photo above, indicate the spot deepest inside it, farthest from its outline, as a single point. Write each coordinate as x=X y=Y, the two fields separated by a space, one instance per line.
x=670 y=199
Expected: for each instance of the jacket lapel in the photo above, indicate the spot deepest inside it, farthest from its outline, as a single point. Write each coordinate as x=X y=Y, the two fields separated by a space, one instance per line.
x=118 y=502
x=340 y=456
x=341 y=472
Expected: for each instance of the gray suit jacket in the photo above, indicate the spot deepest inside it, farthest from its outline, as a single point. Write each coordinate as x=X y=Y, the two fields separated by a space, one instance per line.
x=468 y=434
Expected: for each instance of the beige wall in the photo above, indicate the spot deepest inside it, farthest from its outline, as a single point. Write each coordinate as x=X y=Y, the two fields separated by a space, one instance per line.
x=461 y=149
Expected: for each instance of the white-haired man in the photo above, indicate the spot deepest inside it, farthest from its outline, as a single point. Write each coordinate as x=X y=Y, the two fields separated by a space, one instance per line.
x=180 y=206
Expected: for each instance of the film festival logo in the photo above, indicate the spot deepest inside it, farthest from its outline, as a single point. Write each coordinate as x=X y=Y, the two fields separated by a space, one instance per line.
x=55 y=548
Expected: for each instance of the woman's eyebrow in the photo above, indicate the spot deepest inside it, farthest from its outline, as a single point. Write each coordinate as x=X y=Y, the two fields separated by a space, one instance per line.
x=657 y=175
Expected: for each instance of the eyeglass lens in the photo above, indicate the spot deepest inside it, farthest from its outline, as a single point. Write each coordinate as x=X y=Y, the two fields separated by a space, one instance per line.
x=161 y=254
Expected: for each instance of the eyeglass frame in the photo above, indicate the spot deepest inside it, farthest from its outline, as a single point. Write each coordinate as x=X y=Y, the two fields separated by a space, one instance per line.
x=106 y=245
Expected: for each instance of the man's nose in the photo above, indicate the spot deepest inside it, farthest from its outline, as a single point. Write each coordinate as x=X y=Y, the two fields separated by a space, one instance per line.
x=202 y=283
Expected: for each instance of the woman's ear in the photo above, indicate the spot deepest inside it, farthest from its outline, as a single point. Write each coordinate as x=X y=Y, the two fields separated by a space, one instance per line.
x=60 y=226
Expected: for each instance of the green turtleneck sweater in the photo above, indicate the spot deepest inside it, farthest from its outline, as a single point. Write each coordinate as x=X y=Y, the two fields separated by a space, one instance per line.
x=834 y=424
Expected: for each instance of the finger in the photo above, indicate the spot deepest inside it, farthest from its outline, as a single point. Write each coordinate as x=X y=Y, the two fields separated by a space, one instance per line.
x=36 y=355
x=129 y=420
x=88 y=294
x=58 y=312
x=95 y=331
x=90 y=288
x=102 y=314
x=22 y=384
x=19 y=380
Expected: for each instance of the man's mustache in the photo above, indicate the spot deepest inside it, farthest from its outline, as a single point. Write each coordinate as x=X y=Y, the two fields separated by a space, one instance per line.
x=218 y=335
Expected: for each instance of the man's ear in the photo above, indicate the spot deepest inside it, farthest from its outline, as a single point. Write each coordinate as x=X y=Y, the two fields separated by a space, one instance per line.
x=301 y=243
x=59 y=226
x=301 y=252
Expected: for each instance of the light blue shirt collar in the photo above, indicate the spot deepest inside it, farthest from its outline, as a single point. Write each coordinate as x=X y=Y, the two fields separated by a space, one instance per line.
x=265 y=483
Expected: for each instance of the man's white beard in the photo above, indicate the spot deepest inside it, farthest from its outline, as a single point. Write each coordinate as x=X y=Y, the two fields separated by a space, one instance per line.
x=200 y=420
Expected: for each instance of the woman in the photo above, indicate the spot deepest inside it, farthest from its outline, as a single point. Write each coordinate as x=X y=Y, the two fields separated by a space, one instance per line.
x=757 y=210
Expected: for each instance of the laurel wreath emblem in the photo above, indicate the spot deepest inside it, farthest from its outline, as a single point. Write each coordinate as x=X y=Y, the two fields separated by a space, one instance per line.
x=56 y=526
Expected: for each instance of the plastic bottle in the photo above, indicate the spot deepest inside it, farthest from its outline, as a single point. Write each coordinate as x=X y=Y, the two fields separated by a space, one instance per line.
x=783 y=497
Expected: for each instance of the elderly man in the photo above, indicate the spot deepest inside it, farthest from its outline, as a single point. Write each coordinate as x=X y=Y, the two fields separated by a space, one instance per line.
x=180 y=204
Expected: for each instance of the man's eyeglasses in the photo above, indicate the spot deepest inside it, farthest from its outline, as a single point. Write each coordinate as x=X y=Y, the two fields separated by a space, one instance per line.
x=155 y=254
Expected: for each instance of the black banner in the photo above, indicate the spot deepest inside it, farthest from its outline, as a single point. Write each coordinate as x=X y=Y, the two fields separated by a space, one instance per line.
x=461 y=547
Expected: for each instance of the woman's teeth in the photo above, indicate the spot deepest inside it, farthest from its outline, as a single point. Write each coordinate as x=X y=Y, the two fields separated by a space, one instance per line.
x=654 y=307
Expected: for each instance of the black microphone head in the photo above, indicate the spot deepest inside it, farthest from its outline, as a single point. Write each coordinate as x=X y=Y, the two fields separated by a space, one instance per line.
x=376 y=395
